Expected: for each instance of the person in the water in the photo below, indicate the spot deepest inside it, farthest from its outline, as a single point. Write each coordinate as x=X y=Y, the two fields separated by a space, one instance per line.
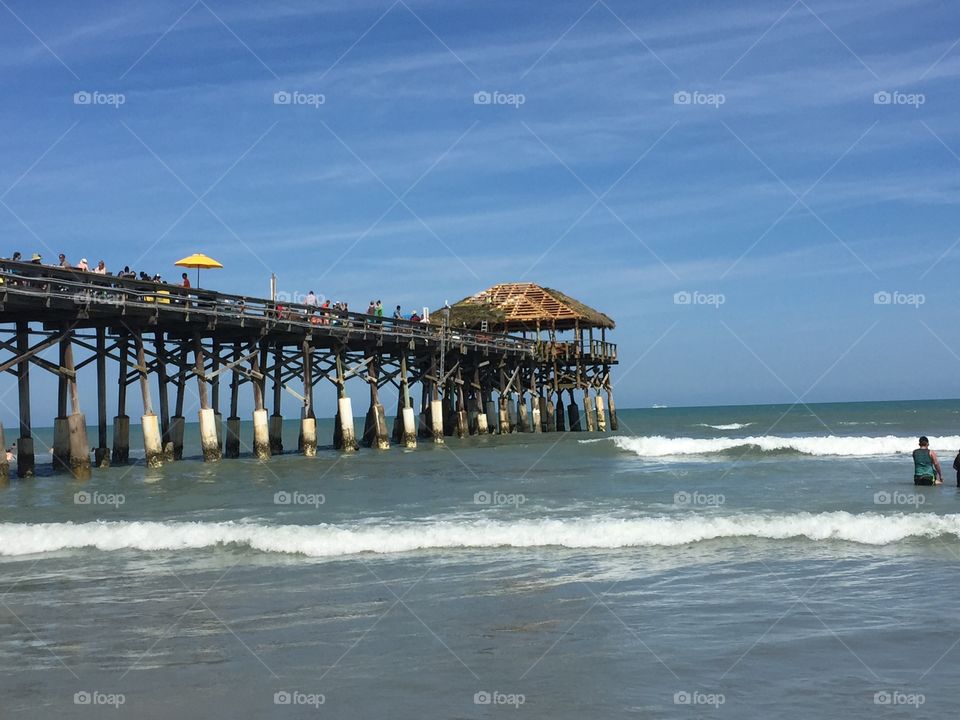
x=926 y=466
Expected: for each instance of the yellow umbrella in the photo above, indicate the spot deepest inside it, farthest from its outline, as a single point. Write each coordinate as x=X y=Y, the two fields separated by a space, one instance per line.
x=198 y=261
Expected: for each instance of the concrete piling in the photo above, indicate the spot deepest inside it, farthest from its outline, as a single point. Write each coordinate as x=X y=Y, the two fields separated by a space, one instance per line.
x=61 y=444
x=152 y=444
x=209 y=442
x=347 y=434
x=409 y=428
x=523 y=415
x=308 y=431
x=601 y=414
x=79 y=446
x=261 y=434
x=588 y=412
x=436 y=420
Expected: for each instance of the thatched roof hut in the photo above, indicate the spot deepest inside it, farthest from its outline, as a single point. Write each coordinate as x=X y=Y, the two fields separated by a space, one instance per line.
x=515 y=307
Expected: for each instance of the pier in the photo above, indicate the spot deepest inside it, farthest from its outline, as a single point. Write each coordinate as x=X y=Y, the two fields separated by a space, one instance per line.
x=514 y=358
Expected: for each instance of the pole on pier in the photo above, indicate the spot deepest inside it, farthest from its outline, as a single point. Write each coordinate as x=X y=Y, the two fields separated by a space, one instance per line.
x=102 y=453
x=461 y=417
x=589 y=411
x=25 y=457
x=344 y=434
x=61 y=426
x=436 y=406
x=613 y=408
x=215 y=392
x=76 y=423
x=573 y=414
x=601 y=413
x=408 y=425
x=209 y=440
x=4 y=463
x=375 y=425
x=559 y=414
x=152 y=439
x=261 y=425
x=167 y=446
x=177 y=421
x=121 y=423
x=276 y=420
x=483 y=422
x=232 y=449
x=308 y=423
x=503 y=401
x=535 y=400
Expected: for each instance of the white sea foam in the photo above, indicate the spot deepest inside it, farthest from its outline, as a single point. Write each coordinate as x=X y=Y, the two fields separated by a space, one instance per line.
x=600 y=532
x=859 y=446
x=728 y=426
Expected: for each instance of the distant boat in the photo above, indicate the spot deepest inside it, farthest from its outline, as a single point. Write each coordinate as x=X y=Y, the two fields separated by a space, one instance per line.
x=658 y=407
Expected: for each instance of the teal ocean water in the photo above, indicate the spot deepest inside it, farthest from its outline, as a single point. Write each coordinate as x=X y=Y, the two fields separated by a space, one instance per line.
x=741 y=562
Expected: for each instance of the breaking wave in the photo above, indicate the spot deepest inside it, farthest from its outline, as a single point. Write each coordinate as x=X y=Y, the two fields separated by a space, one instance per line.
x=728 y=426
x=600 y=532
x=661 y=446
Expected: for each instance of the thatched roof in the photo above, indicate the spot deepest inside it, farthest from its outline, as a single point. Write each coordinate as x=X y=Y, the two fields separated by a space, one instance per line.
x=525 y=306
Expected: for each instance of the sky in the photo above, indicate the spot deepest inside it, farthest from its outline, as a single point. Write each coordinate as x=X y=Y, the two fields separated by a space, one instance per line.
x=763 y=195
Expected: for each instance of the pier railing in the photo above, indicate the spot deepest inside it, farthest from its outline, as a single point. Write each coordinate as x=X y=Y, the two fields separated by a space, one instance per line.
x=92 y=295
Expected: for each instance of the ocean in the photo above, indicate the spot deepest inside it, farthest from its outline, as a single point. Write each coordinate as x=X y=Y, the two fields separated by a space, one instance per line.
x=741 y=562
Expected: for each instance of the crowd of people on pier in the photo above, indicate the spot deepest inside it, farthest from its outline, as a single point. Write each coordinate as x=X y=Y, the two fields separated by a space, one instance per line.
x=317 y=312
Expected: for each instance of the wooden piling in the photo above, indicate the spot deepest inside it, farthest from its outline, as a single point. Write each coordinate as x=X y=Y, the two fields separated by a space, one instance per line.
x=308 y=421
x=25 y=456
x=121 y=422
x=232 y=446
x=276 y=420
x=102 y=453
x=162 y=395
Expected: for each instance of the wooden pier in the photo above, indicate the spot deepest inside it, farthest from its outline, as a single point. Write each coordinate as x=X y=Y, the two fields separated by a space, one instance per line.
x=500 y=361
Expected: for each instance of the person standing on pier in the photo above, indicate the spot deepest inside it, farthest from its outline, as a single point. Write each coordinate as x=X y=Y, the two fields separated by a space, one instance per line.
x=101 y=268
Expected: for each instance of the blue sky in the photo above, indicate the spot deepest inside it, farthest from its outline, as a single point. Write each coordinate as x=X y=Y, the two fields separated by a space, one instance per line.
x=784 y=188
